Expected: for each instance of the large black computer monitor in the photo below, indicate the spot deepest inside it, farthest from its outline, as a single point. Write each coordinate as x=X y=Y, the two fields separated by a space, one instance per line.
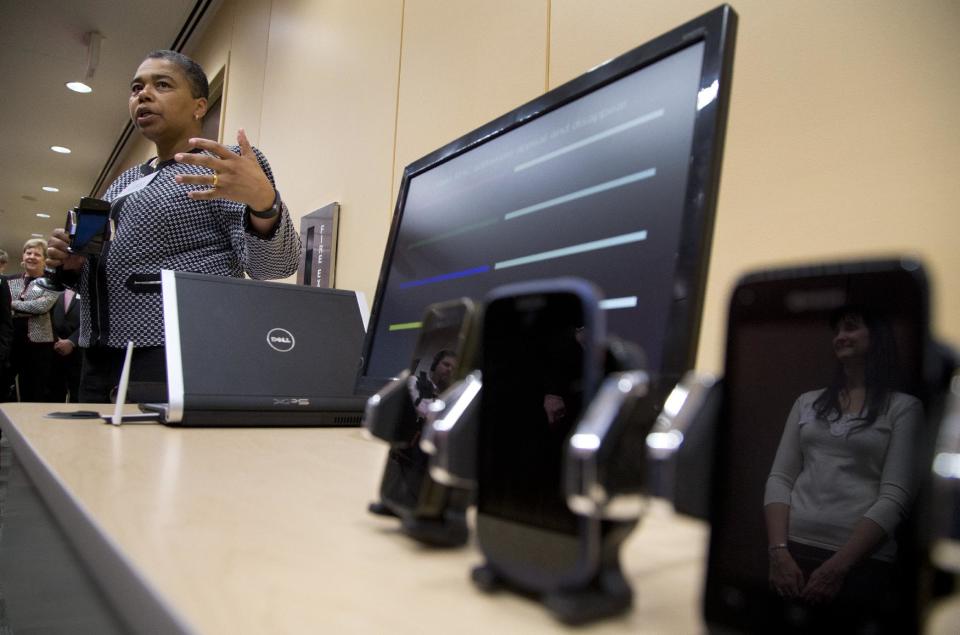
x=612 y=177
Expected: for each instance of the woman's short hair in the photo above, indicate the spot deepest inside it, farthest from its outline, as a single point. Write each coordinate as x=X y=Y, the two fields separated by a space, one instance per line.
x=199 y=87
x=35 y=243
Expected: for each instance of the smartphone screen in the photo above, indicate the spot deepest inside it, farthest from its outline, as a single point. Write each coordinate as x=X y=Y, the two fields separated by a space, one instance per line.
x=87 y=235
x=432 y=370
x=533 y=393
x=821 y=430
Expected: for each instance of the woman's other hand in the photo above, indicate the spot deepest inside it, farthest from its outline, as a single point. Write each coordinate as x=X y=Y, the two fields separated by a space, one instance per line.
x=825 y=582
x=236 y=177
x=786 y=578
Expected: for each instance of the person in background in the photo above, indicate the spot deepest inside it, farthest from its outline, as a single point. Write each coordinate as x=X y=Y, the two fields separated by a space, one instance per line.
x=196 y=206
x=32 y=355
x=4 y=259
x=65 y=379
x=425 y=388
x=6 y=339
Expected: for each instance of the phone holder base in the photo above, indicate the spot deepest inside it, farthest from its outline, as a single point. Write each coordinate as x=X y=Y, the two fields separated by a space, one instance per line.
x=450 y=530
x=606 y=595
x=379 y=508
x=431 y=513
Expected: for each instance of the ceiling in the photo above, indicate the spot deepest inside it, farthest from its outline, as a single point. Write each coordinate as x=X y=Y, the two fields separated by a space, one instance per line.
x=43 y=46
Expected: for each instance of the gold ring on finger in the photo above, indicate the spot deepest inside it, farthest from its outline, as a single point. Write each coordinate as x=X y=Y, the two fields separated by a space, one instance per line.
x=216 y=178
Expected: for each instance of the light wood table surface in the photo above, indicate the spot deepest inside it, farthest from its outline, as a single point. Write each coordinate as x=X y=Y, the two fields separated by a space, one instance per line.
x=266 y=531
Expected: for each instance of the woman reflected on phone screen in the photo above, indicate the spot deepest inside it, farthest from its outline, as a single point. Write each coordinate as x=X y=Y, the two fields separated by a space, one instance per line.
x=842 y=482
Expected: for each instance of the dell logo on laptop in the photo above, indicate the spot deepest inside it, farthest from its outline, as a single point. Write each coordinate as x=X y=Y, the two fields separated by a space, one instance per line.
x=281 y=340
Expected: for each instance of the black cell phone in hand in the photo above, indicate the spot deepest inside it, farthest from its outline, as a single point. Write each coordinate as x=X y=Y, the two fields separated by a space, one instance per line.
x=87 y=225
x=827 y=400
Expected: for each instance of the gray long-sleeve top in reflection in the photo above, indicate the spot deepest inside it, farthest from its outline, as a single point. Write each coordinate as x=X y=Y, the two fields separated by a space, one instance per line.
x=833 y=473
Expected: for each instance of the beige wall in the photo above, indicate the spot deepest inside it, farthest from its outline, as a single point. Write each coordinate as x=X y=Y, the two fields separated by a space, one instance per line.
x=329 y=115
x=841 y=142
x=463 y=64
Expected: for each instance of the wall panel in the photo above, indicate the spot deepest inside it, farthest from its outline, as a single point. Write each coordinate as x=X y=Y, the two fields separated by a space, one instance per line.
x=465 y=63
x=329 y=104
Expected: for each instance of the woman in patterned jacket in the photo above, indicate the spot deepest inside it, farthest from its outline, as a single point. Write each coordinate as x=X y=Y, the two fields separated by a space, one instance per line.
x=32 y=351
x=197 y=206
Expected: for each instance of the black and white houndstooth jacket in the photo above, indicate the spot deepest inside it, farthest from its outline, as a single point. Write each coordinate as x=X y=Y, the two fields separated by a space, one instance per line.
x=32 y=300
x=159 y=227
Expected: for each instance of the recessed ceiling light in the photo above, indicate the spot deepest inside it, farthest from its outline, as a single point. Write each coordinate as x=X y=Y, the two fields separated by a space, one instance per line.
x=61 y=149
x=36 y=235
x=50 y=188
x=43 y=215
x=79 y=87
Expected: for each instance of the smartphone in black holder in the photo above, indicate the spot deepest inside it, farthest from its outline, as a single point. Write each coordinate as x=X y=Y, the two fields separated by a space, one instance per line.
x=87 y=224
x=831 y=395
x=544 y=350
x=431 y=512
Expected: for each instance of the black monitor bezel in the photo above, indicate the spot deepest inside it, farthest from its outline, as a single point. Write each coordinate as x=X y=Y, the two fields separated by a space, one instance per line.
x=717 y=30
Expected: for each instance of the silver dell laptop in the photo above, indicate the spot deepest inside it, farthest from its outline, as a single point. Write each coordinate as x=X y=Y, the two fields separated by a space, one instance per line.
x=250 y=353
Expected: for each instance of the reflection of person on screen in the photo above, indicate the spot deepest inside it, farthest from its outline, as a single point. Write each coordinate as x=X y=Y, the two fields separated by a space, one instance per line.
x=562 y=373
x=426 y=387
x=841 y=481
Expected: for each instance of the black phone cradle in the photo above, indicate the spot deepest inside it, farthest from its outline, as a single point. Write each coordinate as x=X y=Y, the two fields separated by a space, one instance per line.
x=429 y=512
x=448 y=529
x=444 y=526
x=606 y=594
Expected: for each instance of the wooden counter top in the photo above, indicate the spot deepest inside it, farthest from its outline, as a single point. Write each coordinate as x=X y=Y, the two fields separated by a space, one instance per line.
x=266 y=530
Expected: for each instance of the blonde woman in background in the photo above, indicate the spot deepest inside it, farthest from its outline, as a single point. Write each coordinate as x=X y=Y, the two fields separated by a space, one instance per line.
x=32 y=350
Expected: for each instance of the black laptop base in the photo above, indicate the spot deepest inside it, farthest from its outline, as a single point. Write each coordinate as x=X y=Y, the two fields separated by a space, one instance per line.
x=258 y=418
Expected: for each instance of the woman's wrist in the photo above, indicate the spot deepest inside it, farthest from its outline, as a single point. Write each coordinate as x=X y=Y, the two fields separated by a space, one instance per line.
x=779 y=553
x=840 y=562
x=264 y=202
x=270 y=211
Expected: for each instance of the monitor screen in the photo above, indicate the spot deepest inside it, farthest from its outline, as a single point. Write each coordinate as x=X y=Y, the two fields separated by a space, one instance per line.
x=611 y=177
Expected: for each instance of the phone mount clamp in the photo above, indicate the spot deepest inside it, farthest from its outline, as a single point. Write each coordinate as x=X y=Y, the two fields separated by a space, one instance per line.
x=429 y=512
